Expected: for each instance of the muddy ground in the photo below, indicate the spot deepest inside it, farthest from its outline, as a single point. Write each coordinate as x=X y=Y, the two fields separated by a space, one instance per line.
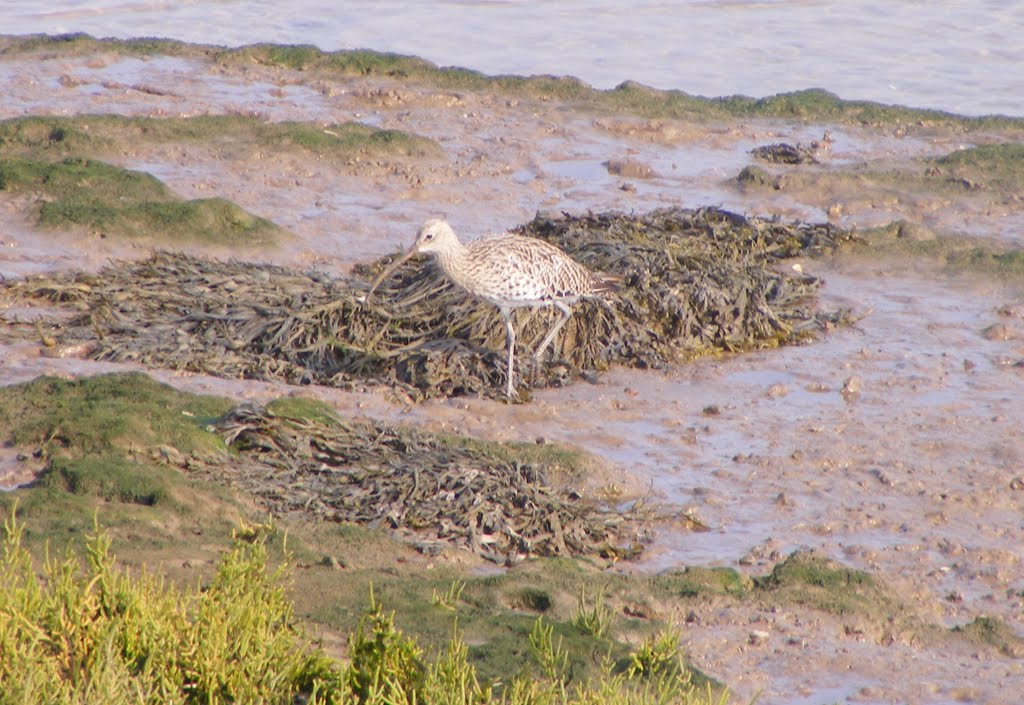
x=892 y=446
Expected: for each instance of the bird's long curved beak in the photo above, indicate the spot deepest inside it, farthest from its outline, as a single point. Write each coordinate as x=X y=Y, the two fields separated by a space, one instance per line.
x=387 y=272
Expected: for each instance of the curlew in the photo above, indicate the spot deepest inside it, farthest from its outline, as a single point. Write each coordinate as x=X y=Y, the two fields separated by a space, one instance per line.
x=509 y=271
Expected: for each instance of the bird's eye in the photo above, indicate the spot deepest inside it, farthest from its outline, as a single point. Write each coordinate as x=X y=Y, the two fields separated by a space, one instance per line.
x=428 y=236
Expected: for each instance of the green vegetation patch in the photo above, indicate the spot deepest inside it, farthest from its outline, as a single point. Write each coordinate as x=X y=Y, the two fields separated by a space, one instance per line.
x=82 y=181
x=993 y=166
x=806 y=578
x=955 y=253
x=126 y=412
x=98 y=135
x=995 y=633
x=629 y=97
x=111 y=479
x=115 y=441
x=80 y=43
x=111 y=200
x=1008 y=263
x=99 y=634
x=696 y=581
x=303 y=409
x=59 y=136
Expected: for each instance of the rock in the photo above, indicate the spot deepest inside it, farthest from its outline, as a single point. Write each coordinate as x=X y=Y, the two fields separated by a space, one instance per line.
x=758 y=637
x=755 y=176
x=997 y=331
x=882 y=477
x=630 y=169
x=907 y=230
x=851 y=389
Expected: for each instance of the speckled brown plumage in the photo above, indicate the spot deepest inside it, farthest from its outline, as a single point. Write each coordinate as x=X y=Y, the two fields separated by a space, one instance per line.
x=510 y=271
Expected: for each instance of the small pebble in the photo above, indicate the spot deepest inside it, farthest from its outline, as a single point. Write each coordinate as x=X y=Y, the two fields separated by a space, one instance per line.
x=851 y=389
x=997 y=331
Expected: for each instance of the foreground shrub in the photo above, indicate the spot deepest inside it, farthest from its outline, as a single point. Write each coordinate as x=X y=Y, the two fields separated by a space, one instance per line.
x=96 y=634
x=101 y=635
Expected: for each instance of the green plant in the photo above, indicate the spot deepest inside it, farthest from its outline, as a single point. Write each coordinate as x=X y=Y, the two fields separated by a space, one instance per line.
x=96 y=634
x=452 y=680
x=86 y=631
x=552 y=658
x=596 y=619
x=385 y=662
x=451 y=597
x=658 y=654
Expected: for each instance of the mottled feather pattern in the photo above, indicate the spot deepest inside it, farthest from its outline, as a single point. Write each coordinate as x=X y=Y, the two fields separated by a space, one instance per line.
x=509 y=271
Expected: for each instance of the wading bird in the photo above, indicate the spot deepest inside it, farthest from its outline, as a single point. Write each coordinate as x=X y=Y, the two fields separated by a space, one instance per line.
x=509 y=271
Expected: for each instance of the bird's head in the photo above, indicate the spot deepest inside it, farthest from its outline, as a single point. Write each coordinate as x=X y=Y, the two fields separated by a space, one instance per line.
x=435 y=236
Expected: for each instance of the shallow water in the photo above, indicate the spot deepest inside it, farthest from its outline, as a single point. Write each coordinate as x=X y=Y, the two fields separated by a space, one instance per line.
x=964 y=57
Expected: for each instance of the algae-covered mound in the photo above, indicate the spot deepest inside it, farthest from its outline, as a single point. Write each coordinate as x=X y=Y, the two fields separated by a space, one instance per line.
x=95 y=136
x=495 y=499
x=133 y=444
x=694 y=282
x=107 y=199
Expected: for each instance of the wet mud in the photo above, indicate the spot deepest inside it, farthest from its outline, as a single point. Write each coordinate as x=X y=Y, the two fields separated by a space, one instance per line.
x=890 y=445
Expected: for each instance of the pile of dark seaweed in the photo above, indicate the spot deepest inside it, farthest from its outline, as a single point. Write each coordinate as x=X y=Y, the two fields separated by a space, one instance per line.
x=694 y=282
x=429 y=489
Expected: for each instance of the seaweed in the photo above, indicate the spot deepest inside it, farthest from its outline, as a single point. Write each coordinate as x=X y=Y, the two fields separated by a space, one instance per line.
x=695 y=282
x=425 y=487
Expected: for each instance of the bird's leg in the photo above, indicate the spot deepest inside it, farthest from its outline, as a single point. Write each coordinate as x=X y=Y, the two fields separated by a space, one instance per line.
x=510 y=334
x=566 y=313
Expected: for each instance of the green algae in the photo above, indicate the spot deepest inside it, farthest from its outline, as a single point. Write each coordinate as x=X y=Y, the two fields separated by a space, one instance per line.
x=811 y=580
x=95 y=415
x=109 y=441
x=81 y=180
x=696 y=581
x=112 y=479
x=100 y=135
x=303 y=409
x=631 y=98
x=109 y=200
x=77 y=43
x=997 y=167
x=995 y=633
x=953 y=253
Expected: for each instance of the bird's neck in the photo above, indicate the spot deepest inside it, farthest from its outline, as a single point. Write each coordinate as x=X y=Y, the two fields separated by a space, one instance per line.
x=452 y=261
